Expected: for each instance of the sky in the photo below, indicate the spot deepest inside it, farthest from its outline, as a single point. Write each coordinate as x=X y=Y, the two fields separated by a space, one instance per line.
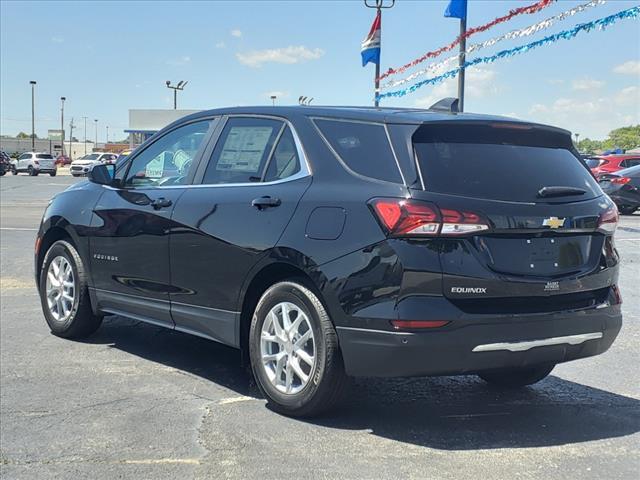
x=109 y=57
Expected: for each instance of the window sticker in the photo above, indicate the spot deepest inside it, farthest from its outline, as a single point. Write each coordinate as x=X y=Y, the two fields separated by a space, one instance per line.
x=243 y=149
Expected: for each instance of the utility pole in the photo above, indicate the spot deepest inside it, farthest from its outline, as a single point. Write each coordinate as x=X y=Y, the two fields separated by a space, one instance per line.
x=85 y=134
x=62 y=99
x=107 y=134
x=70 y=138
x=375 y=39
x=33 y=115
x=95 y=145
x=180 y=86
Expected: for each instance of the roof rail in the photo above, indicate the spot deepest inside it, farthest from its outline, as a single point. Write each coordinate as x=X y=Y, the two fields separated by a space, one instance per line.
x=449 y=104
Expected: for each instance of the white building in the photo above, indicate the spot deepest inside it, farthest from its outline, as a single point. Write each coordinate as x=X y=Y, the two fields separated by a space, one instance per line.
x=144 y=123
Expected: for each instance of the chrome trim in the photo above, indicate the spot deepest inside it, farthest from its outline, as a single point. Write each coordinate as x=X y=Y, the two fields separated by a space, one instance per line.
x=369 y=330
x=526 y=345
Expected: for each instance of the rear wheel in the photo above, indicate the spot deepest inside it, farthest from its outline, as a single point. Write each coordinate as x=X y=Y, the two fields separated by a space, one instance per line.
x=294 y=351
x=627 y=210
x=517 y=377
x=31 y=171
x=64 y=293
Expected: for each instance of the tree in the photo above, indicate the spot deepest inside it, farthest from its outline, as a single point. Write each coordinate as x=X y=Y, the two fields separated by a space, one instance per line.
x=586 y=145
x=25 y=135
x=625 y=138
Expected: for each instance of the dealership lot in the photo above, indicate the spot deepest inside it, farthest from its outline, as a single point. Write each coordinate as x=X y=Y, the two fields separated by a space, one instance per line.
x=139 y=401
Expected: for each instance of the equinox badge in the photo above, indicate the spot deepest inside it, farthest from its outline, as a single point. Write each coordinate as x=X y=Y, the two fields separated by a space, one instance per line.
x=553 y=222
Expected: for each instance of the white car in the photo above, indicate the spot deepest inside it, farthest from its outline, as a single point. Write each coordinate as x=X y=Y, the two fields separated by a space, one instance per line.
x=86 y=163
x=35 y=163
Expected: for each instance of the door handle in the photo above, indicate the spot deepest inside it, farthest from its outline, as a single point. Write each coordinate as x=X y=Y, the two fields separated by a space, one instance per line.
x=161 y=202
x=265 y=202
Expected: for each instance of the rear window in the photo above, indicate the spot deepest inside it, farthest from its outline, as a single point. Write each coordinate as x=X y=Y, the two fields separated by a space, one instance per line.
x=44 y=156
x=592 y=162
x=363 y=147
x=499 y=164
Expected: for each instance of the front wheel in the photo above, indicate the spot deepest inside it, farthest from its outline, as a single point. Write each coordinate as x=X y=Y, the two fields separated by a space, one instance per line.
x=294 y=351
x=64 y=293
x=627 y=210
x=517 y=377
x=53 y=174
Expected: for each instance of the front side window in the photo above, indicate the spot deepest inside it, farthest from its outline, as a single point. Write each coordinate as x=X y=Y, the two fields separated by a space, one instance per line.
x=242 y=151
x=25 y=156
x=170 y=159
x=363 y=147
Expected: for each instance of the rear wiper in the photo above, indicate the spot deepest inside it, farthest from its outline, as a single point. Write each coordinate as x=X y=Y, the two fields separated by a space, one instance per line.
x=546 y=192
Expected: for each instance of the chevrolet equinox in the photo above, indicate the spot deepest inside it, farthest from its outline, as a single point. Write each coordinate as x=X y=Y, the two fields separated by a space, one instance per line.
x=332 y=242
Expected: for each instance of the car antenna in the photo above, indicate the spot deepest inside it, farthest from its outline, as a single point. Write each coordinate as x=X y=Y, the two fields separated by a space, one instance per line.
x=448 y=104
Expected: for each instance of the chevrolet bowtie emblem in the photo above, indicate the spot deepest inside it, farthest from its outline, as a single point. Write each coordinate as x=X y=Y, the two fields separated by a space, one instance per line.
x=553 y=222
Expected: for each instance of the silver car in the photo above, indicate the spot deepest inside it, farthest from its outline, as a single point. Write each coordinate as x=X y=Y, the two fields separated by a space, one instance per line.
x=82 y=165
x=35 y=163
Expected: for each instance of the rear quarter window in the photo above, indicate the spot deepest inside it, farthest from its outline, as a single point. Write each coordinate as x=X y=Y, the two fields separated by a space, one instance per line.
x=362 y=147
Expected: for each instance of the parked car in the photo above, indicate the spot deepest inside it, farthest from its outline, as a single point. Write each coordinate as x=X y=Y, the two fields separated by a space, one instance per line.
x=624 y=188
x=5 y=163
x=613 y=163
x=63 y=160
x=334 y=242
x=35 y=163
x=82 y=165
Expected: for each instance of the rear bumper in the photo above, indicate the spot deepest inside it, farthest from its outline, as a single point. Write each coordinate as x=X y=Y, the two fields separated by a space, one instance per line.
x=485 y=344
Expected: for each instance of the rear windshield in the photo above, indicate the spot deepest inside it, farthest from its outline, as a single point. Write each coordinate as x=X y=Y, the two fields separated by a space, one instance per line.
x=44 y=156
x=499 y=164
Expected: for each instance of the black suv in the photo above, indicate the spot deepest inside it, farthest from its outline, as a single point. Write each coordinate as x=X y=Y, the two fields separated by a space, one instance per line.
x=329 y=242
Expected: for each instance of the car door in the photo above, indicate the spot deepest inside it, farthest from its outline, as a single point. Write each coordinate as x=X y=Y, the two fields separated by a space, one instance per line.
x=23 y=161
x=249 y=187
x=129 y=238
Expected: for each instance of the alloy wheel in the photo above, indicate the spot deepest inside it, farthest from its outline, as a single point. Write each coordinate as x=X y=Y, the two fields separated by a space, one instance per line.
x=60 y=288
x=287 y=348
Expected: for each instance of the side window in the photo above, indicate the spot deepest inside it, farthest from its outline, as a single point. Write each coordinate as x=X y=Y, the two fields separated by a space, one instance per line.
x=24 y=156
x=284 y=162
x=632 y=162
x=169 y=160
x=362 y=147
x=242 y=151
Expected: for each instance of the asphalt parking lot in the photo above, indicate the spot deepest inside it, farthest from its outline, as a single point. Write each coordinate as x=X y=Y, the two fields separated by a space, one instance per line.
x=138 y=401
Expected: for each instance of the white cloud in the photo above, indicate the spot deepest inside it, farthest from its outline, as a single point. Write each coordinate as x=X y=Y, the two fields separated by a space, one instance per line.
x=594 y=117
x=220 y=45
x=479 y=83
x=57 y=39
x=587 y=84
x=287 y=55
x=236 y=33
x=632 y=67
x=555 y=81
x=177 y=62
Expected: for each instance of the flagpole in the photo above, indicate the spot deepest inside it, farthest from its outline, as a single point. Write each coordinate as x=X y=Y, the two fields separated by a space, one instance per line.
x=461 y=61
x=379 y=5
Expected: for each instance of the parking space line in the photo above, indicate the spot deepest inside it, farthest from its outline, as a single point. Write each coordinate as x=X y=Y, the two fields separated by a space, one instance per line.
x=19 y=229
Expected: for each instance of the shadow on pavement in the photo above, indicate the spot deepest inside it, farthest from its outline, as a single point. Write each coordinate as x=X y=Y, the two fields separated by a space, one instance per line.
x=449 y=413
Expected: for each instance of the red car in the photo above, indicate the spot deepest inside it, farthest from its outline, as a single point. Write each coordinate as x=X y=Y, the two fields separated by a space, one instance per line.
x=613 y=163
x=63 y=160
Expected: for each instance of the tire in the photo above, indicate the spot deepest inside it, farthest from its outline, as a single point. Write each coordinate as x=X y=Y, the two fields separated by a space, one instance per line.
x=517 y=377
x=80 y=321
x=627 y=210
x=53 y=174
x=31 y=171
x=14 y=171
x=327 y=380
x=2 y=173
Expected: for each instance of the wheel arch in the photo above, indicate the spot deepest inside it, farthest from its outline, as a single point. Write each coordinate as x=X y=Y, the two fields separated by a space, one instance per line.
x=60 y=230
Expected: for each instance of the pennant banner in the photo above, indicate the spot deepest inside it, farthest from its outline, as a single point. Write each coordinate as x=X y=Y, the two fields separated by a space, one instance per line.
x=520 y=33
x=601 y=24
x=536 y=7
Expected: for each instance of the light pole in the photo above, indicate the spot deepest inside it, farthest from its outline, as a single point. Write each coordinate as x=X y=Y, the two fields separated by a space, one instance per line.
x=577 y=135
x=175 y=88
x=107 y=134
x=96 y=144
x=273 y=100
x=70 y=137
x=33 y=115
x=85 y=134
x=62 y=99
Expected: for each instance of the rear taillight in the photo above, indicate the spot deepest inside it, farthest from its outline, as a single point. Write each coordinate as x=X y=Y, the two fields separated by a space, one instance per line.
x=608 y=221
x=620 y=180
x=36 y=162
x=406 y=217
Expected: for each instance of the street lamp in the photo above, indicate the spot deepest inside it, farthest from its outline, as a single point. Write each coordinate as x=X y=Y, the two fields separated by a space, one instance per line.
x=70 y=137
x=273 y=100
x=96 y=144
x=577 y=135
x=62 y=99
x=33 y=114
x=107 y=134
x=175 y=88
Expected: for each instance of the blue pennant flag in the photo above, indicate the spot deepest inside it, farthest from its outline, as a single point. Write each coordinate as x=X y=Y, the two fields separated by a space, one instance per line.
x=456 y=9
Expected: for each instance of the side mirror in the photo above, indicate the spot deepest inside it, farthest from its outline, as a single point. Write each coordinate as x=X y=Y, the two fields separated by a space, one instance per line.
x=102 y=174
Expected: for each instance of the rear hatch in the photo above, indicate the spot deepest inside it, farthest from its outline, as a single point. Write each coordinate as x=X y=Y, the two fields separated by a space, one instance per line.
x=45 y=160
x=547 y=221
